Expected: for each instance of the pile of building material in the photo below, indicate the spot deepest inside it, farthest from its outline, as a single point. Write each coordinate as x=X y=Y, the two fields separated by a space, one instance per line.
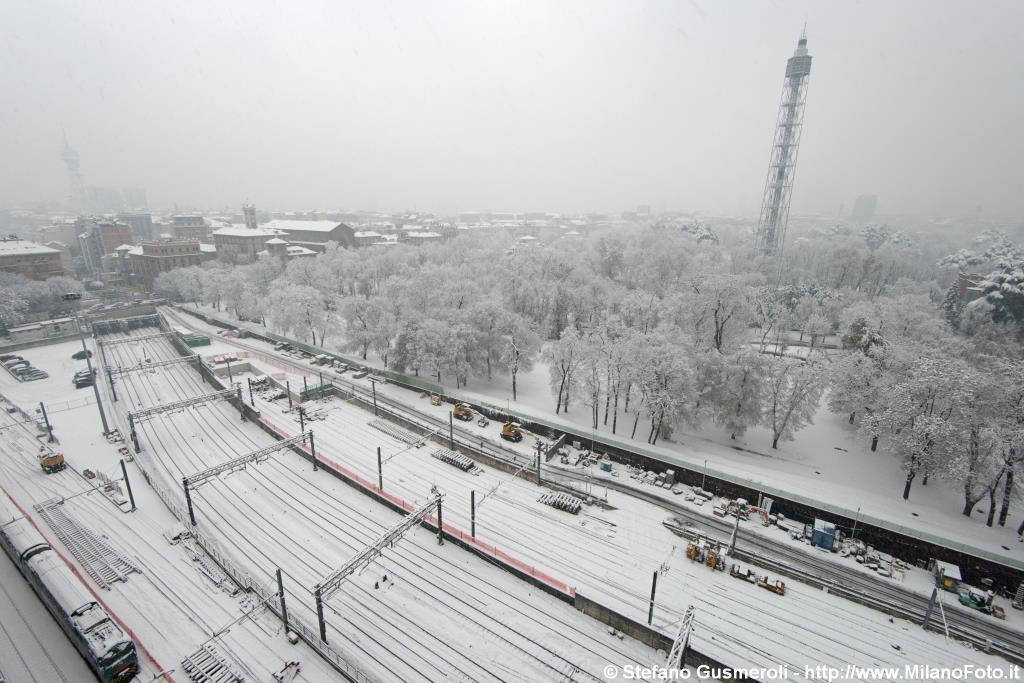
x=396 y=432
x=453 y=458
x=562 y=501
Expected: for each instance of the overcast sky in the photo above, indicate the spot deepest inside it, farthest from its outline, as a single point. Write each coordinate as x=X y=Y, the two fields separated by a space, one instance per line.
x=561 y=106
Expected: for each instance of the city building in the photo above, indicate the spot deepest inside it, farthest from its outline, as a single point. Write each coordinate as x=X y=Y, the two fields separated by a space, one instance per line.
x=281 y=249
x=313 y=234
x=778 y=188
x=34 y=261
x=161 y=256
x=249 y=215
x=240 y=243
x=864 y=207
x=141 y=225
x=190 y=227
x=67 y=263
x=97 y=238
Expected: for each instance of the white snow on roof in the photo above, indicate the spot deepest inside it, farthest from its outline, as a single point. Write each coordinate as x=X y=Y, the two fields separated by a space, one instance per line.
x=299 y=251
x=18 y=247
x=275 y=240
x=293 y=225
x=124 y=247
x=950 y=571
x=367 y=233
x=423 y=235
x=242 y=231
x=207 y=248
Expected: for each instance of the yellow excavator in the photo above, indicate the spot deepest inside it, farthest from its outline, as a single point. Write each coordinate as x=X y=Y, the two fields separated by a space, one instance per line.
x=512 y=431
x=463 y=412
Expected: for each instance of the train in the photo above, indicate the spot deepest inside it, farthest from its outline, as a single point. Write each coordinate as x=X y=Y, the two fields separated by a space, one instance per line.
x=108 y=651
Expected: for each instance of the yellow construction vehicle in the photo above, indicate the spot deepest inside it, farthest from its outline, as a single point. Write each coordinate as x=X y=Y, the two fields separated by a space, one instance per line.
x=51 y=461
x=512 y=431
x=463 y=412
x=435 y=399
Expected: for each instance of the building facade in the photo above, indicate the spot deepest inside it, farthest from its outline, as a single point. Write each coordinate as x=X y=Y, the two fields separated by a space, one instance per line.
x=190 y=227
x=313 y=234
x=97 y=238
x=161 y=256
x=239 y=244
x=34 y=261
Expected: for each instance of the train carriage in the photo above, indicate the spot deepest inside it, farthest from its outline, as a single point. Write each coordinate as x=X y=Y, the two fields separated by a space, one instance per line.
x=109 y=652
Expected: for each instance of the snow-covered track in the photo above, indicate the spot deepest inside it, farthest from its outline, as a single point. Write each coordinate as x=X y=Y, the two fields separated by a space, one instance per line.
x=338 y=518
x=104 y=564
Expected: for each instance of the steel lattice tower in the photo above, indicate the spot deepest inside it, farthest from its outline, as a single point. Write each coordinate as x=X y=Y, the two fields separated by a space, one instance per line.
x=70 y=158
x=771 y=228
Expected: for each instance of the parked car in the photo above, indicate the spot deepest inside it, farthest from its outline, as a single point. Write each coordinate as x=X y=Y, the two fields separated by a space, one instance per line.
x=82 y=355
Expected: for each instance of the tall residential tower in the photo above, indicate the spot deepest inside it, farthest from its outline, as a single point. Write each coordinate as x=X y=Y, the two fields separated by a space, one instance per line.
x=771 y=228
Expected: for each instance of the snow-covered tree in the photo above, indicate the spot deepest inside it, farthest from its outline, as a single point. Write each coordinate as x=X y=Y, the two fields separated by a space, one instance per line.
x=791 y=394
x=1003 y=289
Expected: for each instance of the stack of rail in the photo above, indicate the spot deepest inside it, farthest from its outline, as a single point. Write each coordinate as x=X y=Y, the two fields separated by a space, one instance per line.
x=453 y=458
x=104 y=564
x=562 y=501
x=396 y=432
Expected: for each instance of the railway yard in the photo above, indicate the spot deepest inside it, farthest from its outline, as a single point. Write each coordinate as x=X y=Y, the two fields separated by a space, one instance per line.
x=494 y=601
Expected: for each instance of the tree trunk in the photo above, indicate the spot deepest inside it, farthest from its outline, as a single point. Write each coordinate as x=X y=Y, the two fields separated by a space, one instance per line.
x=991 y=504
x=775 y=442
x=1004 y=511
x=906 y=487
x=1020 y=529
x=607 y=402
x=874 y=443
x=513 y=385
x=852 y=416
x=629 y=388
x=636 y=419
x=558 y=403
x=615 y=415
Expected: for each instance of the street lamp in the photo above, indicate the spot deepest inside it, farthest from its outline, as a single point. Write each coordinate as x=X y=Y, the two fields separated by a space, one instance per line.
x=705 y=475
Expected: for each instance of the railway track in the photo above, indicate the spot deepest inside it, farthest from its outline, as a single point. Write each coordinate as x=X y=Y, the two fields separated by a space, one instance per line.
x=314 y=566
x=894 y=599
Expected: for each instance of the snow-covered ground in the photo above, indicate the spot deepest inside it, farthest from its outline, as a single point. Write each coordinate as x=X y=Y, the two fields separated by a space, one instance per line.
x=171 y=606
x=606 y=555
x=609 y=555
x=828 y=462
x=439 y=612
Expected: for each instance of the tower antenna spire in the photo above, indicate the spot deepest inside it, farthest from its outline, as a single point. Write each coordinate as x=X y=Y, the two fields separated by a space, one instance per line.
x=778 y=187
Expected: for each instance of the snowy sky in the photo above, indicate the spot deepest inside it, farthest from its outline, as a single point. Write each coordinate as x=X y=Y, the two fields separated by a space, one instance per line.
x=562 y=106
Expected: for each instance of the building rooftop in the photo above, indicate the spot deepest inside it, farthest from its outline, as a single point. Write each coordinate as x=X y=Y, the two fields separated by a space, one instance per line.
x=237 y=230
x=17 y=247
x=309 y=226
